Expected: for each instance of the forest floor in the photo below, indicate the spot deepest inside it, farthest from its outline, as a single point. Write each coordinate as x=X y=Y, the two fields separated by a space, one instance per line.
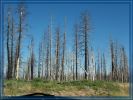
x=71 y=88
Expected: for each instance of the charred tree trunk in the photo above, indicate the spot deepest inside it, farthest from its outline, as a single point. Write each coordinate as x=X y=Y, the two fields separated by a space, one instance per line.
x=9 y=70
x=57 y=54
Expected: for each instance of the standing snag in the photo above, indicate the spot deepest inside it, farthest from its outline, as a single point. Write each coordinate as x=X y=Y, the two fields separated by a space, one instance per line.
x=84 y=37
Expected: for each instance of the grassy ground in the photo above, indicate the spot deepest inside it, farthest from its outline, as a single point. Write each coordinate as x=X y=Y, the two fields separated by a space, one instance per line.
x=73 y=88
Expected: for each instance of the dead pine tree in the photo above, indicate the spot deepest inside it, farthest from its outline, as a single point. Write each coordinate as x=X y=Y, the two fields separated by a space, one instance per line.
x=57 y=55
x=124 y=66
x=92 y=65
x=104 y=68
x=76 y=49
x=47 y=62
x=112 y=59
x=98 y=68
x=39 y=59
x=73 y=65
x=21 y=11
x=28 y=70
x=31 y=61
x=9 y=70
x=10 y=42
x=50 y=49
x=116 y=61
x=43 y=54
x=84 y=37
x=101 y=62
x=63 y=52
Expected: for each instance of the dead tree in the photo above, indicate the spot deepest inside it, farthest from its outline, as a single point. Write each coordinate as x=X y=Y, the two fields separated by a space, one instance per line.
x=101 y=74
x=40 y=60
x=73 y=65
x=43 y=53
x=84 y=35
x=76 y=49
x=124 y=66
x=63 y=52
x=104 y=68
x=9 y=70
x=28 y=69
x=116 y=61
x=92 y=65
x=57 y=57
x=50 y=50
x=126 y=72
x=98 y=68
x=47 y=62
x=32 y=58
x=21 y=10
x=112 y=59
x=12 y=44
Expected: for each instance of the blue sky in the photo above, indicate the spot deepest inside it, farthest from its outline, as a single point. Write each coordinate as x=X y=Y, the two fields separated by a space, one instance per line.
x=106 y=20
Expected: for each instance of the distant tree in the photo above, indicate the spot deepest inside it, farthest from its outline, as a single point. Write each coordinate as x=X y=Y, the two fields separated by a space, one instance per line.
x=50 y=49
x=63 y=54
x=47 y=62
x=124 y=66
x=112 y=59
x=116 y=60
x=32 y=58
x=73 y=65
x=27 y=75
x=57 y=57
x=92 y=66
x=104 y=68
x=84 y=37
x=101 y=62
x=88 y=64
x=98 y=68
x=39 y=59
x=126 y=72
x=76 y=49
x=44 y=44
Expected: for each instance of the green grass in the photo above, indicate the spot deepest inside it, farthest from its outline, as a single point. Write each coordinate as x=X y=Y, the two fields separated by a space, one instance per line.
x=86 y=87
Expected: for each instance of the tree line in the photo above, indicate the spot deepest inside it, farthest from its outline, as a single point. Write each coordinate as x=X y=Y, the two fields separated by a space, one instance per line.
x=54 y=61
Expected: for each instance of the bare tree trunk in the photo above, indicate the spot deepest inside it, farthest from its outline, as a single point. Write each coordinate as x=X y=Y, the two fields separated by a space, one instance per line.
x=19 y=43
x=104 y=68
x=40 y=60
x=101 y=74
x=47 y=63
x=76 y=50
x=85 y=28
x=57 y=54
x=99 y=68
x=31 y=59
x=50 y=49
x=64 y=49
x=21 y=10
x=17 y=76
x=8 y=49
x=112 y=58
x=12 y=47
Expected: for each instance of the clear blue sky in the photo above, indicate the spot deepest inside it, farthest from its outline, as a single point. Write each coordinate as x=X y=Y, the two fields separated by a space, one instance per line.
x=106 y=20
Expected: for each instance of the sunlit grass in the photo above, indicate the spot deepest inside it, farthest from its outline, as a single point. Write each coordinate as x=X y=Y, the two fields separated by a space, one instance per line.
x=71 y=88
